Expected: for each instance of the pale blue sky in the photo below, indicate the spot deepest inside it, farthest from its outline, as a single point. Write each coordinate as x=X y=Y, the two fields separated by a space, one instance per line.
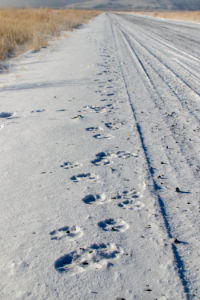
x=36 y=3
x=128 y=4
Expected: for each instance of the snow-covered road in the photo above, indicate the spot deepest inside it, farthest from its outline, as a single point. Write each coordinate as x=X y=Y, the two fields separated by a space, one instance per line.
x=100 y=164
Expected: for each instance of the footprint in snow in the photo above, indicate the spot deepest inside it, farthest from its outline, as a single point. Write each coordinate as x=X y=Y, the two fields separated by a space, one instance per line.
x=129 y=200
x=5 y=114
x=70 y=165
x=37 y=111
x=95 y=109
x=106 y=100
x=138 y=205
x=101 y=159
x=94 y=257
x=129 y=194
x=125 y=154
x=103 y=136
x=66 y=232
x=127 y=204
x=96 y=199
x=82 y=176
x=117 y=225
x=115 y=125
x=130 y=204
x=94 y=129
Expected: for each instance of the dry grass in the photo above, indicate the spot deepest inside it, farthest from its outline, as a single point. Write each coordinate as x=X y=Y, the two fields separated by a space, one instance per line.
x=22 y=29
x=191 y=16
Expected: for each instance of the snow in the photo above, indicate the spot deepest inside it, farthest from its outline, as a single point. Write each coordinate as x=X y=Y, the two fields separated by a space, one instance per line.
x=97 y=133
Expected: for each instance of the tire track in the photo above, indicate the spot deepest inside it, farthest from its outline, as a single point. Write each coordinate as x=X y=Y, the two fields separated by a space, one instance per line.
x=160 y=93
x=149 y=51
x=120 y=36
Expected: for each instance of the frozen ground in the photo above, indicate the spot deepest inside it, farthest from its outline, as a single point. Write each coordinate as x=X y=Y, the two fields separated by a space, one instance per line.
x=100 y=165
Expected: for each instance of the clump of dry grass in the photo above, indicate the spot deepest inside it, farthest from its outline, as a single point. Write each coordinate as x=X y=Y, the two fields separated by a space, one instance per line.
x=192 y=16
x=22 y=29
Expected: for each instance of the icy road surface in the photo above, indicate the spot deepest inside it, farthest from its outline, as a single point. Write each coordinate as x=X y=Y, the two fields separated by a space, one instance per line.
x=99 y=141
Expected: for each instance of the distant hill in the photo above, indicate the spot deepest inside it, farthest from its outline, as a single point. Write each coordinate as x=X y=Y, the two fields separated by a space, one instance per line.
x=138 y=5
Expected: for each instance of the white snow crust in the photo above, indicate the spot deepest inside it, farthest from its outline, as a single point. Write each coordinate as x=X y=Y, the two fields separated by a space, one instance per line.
x=97 y=132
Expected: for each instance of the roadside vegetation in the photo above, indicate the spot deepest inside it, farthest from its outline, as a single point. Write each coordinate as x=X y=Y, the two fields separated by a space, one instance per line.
x=30 y=28
x=191 y=16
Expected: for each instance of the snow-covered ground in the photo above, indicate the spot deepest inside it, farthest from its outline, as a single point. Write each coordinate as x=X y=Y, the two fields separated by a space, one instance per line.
x=100 y=164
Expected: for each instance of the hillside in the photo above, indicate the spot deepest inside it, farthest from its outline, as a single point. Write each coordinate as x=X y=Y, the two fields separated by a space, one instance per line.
x=138 y=5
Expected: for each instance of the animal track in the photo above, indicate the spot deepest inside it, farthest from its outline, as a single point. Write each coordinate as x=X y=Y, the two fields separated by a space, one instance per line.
x=5 y=115
x=99 y=109
x=36 y=111
x=115 y=125
x=138 y=205
x=129 y=194
x=125 y=154
x=70 y=232
x=70 y=165
x=77 y=178
x=96 y=199
x=105 y=100
x=129 y=200
x=96 y=109
x=93 y=257
x=101 y=159
x=113 y=225
x=125 y=204
x=103 y=136
x=94 y=128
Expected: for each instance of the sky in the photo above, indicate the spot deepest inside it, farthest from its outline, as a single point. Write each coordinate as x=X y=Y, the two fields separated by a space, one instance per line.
x=146 y=5
x=36 y=3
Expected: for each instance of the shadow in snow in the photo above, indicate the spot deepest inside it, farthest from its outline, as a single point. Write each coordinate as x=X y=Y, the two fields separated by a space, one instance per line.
x=89 y=199
x=42 y=85
x=100 y=156
x=5 y=115
x=63 y=261
x=179 y=263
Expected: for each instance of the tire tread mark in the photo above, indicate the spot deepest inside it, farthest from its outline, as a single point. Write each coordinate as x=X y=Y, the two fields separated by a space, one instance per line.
x=179 y=263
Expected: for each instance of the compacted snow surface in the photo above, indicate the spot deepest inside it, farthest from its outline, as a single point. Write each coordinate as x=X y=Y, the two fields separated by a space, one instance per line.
x=100 y=164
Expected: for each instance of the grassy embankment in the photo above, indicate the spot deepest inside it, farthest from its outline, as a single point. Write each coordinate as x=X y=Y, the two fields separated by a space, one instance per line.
x=23 y=29
x=191 y=16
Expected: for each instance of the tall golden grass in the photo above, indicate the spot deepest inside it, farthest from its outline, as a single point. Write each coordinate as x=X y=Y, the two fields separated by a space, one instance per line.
x=191 y=16
x=22 y=29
